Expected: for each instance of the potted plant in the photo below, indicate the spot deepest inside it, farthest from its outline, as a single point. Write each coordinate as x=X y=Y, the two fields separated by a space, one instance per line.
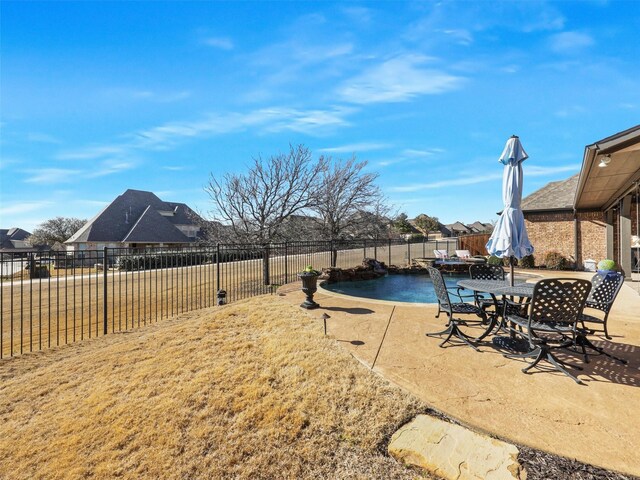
x=309 y=278
x=606 y=267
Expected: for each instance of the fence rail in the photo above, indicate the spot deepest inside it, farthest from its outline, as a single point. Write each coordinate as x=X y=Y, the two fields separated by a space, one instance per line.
x=53 y=298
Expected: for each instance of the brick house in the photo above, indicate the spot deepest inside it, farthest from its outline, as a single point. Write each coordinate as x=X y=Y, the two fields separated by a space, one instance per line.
x=594 y=214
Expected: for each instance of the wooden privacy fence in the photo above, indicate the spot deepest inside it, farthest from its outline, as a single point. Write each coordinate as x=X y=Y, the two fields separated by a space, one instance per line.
x=476 y=244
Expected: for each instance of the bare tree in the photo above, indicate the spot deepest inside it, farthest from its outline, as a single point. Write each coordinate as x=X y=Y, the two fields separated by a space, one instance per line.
x=347 y=199
x=427 y=224
x=55 y=230
x=256 y=204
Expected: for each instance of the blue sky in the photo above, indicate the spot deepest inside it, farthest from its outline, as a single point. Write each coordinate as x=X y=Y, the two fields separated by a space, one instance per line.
x=98 y=97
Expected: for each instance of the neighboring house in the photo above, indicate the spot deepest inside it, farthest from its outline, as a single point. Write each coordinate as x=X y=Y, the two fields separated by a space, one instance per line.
x=458 y=228
x=479 y=227
x=138 y=219
x=594 y=214
x=13 y=238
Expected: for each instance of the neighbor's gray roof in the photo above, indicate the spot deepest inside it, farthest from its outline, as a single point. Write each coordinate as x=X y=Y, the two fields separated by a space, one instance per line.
x=458 y=227
x=13 y=237
x=480 y=227
x=553 y=196
x=134 y=217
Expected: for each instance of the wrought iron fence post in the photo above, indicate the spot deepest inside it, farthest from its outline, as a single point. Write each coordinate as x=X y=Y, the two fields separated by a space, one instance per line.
x=409 y=251
x=365 y=247
x=265 y=265
x=105 y=303
x=389 y=244
x=217 y=267
x=334 y=254
x=286 y=261
x=375 y=248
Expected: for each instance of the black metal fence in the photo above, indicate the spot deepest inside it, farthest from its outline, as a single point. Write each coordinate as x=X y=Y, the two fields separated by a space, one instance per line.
x=53 y=298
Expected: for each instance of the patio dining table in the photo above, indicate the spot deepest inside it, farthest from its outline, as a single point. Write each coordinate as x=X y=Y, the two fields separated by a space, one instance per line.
x=497 y=288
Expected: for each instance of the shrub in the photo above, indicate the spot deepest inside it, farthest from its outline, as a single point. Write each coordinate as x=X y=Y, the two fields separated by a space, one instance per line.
x=556 y=261
x=527 y=262
x=164 y=260
x=493 y=260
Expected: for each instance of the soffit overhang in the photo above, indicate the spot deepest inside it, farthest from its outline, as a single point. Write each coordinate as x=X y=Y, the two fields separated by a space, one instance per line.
x=601 y=188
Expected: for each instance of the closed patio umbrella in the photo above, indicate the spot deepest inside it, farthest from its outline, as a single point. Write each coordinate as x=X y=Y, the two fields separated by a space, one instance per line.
x=509 y=237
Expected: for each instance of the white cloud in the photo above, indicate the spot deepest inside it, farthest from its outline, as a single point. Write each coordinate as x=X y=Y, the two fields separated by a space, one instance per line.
x=167 y=136
x=110 y=167
x=570 y=111
x=538 y=171
x=416 y=187
x=570 y=42
x=223 y=43
x=460 y=36
x=90 y=153
x=410 y=156
x=398 y=80
x=355 y=147
x=412 y=152
x=510 y=69
x=532 y=170
x=22 y=207
x=52 y=175
x=136 y=95
x=42 y=138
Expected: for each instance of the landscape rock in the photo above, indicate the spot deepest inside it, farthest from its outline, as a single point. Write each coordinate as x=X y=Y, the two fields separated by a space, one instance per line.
x=453 y=452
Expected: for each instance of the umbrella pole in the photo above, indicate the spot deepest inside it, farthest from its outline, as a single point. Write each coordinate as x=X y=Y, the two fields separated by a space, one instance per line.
x=511 y=266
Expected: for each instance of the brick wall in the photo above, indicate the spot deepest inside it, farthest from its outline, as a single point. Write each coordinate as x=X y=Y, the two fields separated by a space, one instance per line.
x=592 y=236
x=550 y=232
x=554 y=231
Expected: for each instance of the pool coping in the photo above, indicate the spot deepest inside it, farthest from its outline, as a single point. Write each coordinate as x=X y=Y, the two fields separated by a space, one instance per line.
x=331 y=293
x=449 y=380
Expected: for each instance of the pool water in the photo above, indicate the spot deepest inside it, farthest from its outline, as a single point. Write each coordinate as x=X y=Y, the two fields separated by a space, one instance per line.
x=396 y=288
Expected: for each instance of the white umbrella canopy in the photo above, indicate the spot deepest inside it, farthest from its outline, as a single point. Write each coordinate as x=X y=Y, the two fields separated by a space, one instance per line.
x=509 y=237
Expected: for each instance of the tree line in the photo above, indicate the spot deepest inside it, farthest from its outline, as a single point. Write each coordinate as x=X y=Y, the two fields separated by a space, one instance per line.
x=287 y=196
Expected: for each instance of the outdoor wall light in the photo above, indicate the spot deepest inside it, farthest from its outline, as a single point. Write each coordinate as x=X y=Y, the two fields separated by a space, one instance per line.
x=604 y=161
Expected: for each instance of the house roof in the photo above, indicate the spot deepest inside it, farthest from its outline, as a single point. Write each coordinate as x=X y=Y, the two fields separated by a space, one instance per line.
x=480 y=227
x=553 y=196
x=458 y=227
x=11 y=238
x=603 y=187
x=138 y=216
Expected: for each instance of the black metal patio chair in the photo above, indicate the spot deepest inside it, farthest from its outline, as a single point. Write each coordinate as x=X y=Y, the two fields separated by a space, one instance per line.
x=453 y=309
x=552 y=321
x=604 y=290
x=487 y=272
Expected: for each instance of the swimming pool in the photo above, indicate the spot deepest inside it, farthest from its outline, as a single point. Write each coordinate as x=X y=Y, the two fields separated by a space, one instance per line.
x=395 y=288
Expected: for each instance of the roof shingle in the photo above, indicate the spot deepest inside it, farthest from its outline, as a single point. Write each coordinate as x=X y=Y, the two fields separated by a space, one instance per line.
x=553 y=196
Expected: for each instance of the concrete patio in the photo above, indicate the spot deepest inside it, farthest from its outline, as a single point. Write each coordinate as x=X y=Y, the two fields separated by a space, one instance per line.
x=597 y=423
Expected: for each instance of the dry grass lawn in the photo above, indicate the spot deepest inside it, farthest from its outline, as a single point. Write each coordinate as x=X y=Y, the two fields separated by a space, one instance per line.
x=249 y=390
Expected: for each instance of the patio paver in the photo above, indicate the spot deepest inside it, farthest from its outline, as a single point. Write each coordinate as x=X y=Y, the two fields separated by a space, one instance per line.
x=598 y=423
